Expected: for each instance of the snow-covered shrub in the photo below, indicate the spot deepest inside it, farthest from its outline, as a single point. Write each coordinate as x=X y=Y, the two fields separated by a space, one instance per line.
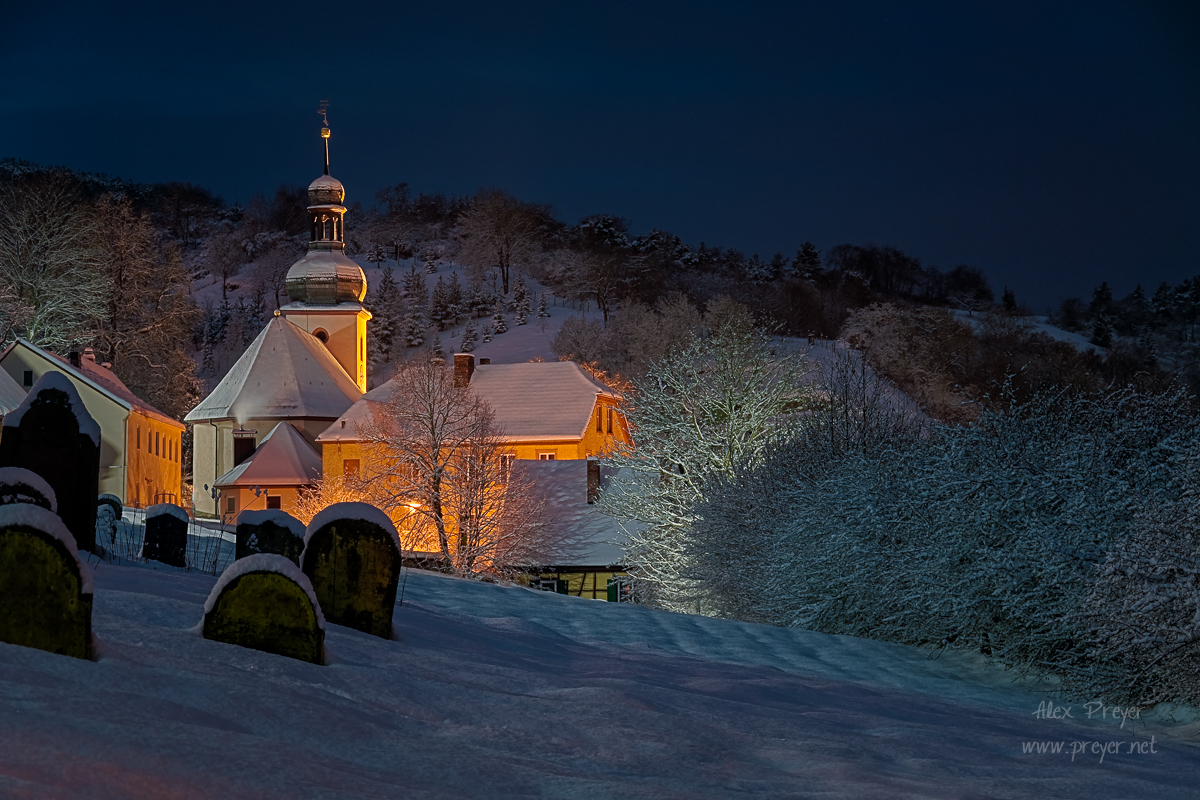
x=1143 y=611
x=987 y=536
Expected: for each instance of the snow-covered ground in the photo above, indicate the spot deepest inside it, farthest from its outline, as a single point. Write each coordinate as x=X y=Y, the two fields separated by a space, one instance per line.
x=495 y=691
x=1037 y=324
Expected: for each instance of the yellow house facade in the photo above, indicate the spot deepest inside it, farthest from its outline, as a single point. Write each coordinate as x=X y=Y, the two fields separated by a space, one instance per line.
x=140 y=446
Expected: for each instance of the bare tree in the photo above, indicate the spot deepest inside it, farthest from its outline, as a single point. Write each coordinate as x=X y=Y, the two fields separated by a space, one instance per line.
x=501 y=232
x=50 y=261
x=435 y=449
x=148 y=316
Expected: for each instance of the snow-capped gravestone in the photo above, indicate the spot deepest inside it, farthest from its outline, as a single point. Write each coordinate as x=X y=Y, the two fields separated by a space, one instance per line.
x=352 y=557
x=270 y=531
x=266 y=603
x=23 y=486
x=46 y=602
x=166 y=535
x=52 y=434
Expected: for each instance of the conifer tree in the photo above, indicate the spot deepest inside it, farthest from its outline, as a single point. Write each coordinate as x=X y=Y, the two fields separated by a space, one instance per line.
x=468 y=338
x=498 y=321
x=486 y=334
x=455 y=303
x=385 y=307
x=541 y=309
x=436 y=347
x=439 y=304
x=807 y=263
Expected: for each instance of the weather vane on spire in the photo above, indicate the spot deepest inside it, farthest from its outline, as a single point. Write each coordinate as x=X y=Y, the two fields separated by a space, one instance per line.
x=323 y=110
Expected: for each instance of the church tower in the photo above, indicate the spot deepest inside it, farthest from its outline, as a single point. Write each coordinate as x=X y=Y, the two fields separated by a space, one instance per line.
x=325 y=287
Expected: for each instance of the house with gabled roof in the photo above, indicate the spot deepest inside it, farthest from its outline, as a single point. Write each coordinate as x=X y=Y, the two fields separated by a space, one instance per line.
x=546 y=410
x=140 y=446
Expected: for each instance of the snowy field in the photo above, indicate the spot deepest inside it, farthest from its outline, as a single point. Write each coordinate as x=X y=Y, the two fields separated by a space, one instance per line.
x=496 y=691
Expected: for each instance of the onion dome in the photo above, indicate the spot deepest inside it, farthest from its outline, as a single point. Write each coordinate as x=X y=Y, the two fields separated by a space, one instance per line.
x=326 y=190
x=326 y=277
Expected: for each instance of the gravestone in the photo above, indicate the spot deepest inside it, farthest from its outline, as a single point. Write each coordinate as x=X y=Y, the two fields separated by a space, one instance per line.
x=269 y=531
x=52 y=434
x=352 y=556
x=24 y=486
x=166 y=535
x=266 y=603
x=108 y=514
x=47 y=598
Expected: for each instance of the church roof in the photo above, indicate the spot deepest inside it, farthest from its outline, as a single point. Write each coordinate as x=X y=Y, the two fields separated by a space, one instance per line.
x=285 y=373
x=541 y=400
x=283 y=458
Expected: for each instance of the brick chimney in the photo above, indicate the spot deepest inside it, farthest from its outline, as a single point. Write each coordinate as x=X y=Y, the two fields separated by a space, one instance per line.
x=464 y=366
x=593 y=480
x=73 y=358
x=89 y=354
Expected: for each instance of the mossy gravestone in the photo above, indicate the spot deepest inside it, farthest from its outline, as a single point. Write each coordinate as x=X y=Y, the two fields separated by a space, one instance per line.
x=23 y=486
x=269 y=531
x=266 y=603
x=52 y=434
x=46 y=600
x=166 y=535
x=352 y=557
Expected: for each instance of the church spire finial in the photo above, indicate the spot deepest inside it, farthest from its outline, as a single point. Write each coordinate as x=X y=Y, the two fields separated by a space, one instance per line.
x=323 y=110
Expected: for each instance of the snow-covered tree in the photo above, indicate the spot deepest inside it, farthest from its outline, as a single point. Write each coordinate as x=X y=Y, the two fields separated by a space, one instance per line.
x=542 y=313
x=468 y=338
x=387 y=312
x=439 y=305
x=50 y=262
x=715 y=404
x=485 y=334
x=498 y=321
x=456 y=306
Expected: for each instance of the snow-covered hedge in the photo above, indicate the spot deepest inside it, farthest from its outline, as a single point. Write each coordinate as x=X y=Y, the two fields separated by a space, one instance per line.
x=1049 y=537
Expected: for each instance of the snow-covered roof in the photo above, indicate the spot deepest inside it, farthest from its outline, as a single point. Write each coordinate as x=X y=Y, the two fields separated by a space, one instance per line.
x=285 y=373
x=56 y=380
x=541 y=400
x=582 y=535
x=98 y=377
x=11 y=393
x=346 y=427
x=283 y=458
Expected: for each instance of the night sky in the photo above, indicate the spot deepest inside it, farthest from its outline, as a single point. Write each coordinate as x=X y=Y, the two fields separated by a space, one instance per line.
x=1054 y=145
